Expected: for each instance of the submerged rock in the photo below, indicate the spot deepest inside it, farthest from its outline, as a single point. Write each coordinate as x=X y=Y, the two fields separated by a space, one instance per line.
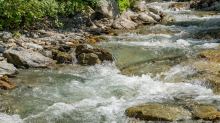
x=209 y=63
x=212 y=55
x=27 y=58
x=168 y=18
x=7 y=69
x=90 y=53
x=180 y=6
x=206 y=112
x=157 y=112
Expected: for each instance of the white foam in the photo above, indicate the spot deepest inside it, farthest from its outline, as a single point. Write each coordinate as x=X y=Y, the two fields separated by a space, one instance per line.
x=207 y=45
x=183 y=42
x=4 y=118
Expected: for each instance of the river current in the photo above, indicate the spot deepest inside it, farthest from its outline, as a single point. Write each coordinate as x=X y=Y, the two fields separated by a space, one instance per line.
x=148 y=69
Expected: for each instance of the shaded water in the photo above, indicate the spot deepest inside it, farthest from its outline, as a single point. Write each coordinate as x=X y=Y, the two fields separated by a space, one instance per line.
x=147 y=69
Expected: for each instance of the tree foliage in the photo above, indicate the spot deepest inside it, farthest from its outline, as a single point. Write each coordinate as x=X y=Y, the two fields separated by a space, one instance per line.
x=14 y=13
x=123 y=5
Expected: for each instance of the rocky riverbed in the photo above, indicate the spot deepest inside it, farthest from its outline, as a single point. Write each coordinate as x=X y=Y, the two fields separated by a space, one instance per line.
x=149 y=64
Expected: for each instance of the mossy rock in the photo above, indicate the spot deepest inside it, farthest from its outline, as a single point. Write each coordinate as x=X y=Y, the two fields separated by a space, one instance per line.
x=212 y=55
x=168 y=18
x=65 y=58
x=206 y=113
x=155 y=112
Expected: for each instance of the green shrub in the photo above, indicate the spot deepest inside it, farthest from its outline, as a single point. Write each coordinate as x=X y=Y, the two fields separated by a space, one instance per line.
x=123 y=5
x=14 y=13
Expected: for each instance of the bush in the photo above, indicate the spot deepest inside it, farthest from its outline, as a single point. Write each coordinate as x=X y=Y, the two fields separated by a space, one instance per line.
x=123 y=5
x=15 y=13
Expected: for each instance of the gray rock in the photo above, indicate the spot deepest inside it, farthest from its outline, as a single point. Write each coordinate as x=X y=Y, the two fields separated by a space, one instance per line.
x=33 y=46
x=27 y=58
x=132 y=14
x=6 y=35
x=140 y=7
x=155 y=10
x=2 y=49
x=2 y=58
x=144 y=18
x=155 y=16
x=122 y=23
x=48 y=54
x=96 y=30
x=7 y=69
x=216 y=5
x=109 y=8
x=205 y=5
x=88 y=59
x=125 y=15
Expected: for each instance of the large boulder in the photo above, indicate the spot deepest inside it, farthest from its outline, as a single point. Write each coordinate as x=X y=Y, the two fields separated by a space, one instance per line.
x=7 y=69
x=109 y=8
x=155 y=112
x=168 y=18
x=90 y=53
x=206 y=112
x=27 y=58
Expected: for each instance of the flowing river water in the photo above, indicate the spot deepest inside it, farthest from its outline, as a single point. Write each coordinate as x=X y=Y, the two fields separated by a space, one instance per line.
x=149 y=68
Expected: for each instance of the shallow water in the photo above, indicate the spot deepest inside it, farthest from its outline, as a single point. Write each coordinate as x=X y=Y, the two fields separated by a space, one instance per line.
x=147 y=70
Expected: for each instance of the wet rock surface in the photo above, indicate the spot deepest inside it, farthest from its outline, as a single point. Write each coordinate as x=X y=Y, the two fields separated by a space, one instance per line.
x=168 y=18
x=155 y=112
x=206 y=113
x=5 y=83
x=86 y=54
